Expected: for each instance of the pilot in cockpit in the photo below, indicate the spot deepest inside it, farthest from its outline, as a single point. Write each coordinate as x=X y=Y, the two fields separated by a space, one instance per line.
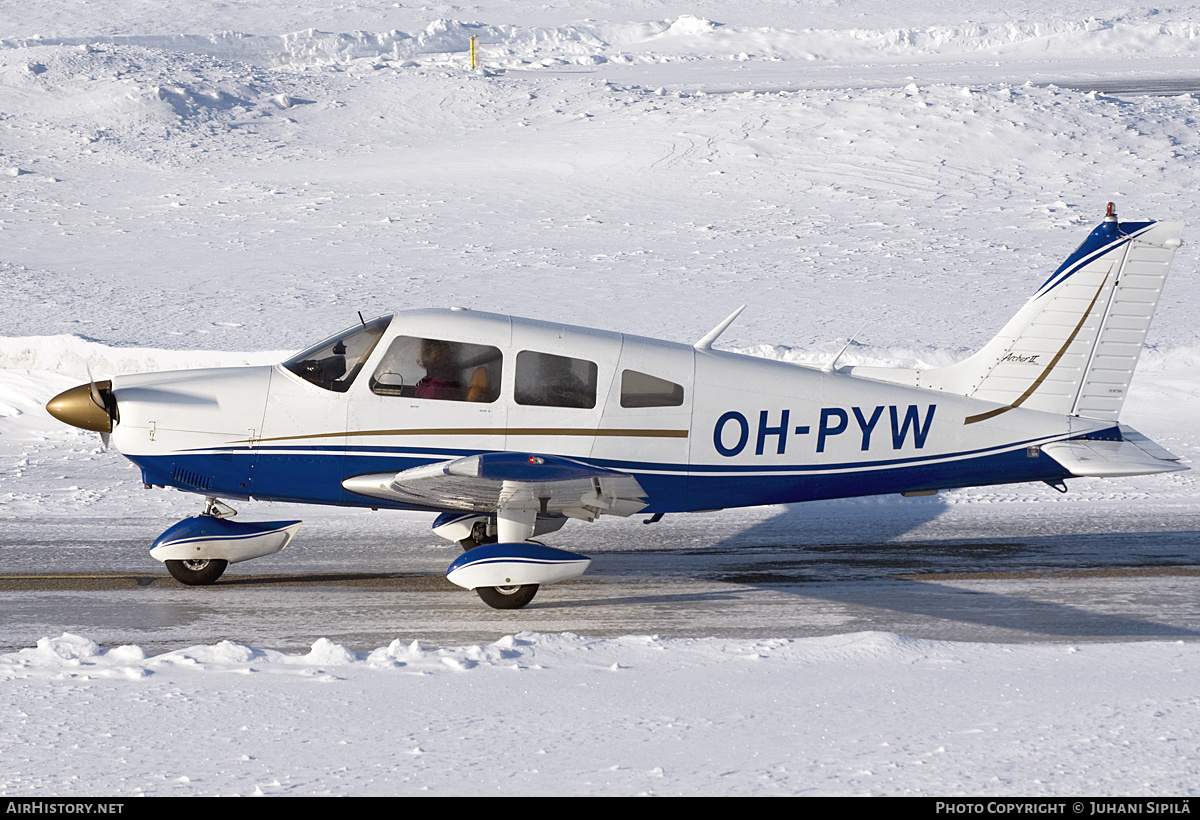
x=324 y=372
x=334 y=363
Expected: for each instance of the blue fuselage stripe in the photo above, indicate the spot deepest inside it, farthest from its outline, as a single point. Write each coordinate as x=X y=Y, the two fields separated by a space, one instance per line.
x=314 y=475
x=427 y=455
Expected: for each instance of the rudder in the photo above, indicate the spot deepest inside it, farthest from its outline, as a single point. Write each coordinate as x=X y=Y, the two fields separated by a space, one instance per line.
x=1073 y=347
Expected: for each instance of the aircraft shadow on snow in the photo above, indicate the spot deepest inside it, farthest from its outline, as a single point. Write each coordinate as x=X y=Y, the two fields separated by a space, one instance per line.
x=882 y=571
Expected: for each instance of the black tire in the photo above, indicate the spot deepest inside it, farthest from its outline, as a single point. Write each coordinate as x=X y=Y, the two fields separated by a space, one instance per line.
x=197 y=573
x=513 y=597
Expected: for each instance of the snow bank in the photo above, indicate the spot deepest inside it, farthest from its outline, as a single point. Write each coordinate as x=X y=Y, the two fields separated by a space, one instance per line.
x=74 y=655
x=72 y=356
x=686 y=37
x=1182 y=359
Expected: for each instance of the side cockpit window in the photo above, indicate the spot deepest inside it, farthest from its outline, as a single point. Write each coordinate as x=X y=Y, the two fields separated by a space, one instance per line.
x=644 y=390
x=546 y=380
x=438 y=369
x=335 y=362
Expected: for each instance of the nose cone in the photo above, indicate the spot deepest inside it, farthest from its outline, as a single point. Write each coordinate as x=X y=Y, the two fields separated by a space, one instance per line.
x=77 y=408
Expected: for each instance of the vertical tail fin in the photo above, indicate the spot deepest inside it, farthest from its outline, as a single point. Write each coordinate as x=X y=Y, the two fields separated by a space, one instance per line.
x=1073 y=347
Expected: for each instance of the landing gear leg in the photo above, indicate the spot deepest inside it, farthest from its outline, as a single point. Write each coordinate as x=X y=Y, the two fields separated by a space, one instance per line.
x=217 y=508
x=512 y=525
x=479 y=535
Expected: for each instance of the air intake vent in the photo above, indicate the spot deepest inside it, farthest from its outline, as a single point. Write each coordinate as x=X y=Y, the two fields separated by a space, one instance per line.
x=189 y=478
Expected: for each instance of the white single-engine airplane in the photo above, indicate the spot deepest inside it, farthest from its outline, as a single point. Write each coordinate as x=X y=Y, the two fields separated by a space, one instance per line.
x=509 y=427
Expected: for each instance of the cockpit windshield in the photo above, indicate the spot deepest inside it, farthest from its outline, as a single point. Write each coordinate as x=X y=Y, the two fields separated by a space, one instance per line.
x=334 y=363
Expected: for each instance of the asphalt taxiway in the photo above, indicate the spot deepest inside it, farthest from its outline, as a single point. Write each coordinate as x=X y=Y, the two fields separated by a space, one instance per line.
x=947 y=572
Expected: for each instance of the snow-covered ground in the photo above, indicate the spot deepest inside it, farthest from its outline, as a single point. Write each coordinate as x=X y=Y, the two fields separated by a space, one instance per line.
x=186 y=184
x=867 y=713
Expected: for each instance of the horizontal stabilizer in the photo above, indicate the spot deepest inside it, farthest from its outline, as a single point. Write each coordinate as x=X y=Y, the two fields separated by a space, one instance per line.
x=1134 y=455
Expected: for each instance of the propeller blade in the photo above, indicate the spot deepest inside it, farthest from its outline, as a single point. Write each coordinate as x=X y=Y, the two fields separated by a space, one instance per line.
x=93 y=390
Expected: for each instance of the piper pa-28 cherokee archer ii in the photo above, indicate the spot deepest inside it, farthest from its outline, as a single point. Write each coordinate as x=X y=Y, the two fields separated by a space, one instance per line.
x=509 y=427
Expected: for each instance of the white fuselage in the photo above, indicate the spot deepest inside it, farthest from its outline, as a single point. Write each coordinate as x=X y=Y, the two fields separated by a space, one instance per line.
x=699 y=429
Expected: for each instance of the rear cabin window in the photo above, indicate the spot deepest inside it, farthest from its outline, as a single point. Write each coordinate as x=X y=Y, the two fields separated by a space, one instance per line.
x=644 y=390
x=438 y=369
x=546 y=380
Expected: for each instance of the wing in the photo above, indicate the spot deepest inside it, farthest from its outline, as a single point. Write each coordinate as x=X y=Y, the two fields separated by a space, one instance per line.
x=492 y=482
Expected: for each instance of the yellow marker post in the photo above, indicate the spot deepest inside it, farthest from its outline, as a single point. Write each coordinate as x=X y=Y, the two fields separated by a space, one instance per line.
x=473 y=39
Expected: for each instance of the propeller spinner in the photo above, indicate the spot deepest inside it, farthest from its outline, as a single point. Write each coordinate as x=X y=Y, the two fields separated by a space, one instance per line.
x=88 y=406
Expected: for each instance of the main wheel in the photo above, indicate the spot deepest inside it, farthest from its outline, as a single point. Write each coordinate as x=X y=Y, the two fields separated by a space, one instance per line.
x=513 y=597
x=197 y=572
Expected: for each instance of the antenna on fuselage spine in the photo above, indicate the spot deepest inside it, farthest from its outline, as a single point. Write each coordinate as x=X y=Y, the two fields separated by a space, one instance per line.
x=710 y=337
x=828 y=368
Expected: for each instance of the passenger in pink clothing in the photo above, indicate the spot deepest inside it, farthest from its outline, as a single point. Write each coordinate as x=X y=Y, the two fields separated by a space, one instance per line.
x=441 y=378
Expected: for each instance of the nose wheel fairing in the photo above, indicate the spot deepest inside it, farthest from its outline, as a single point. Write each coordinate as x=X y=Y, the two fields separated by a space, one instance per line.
x=208 y=538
